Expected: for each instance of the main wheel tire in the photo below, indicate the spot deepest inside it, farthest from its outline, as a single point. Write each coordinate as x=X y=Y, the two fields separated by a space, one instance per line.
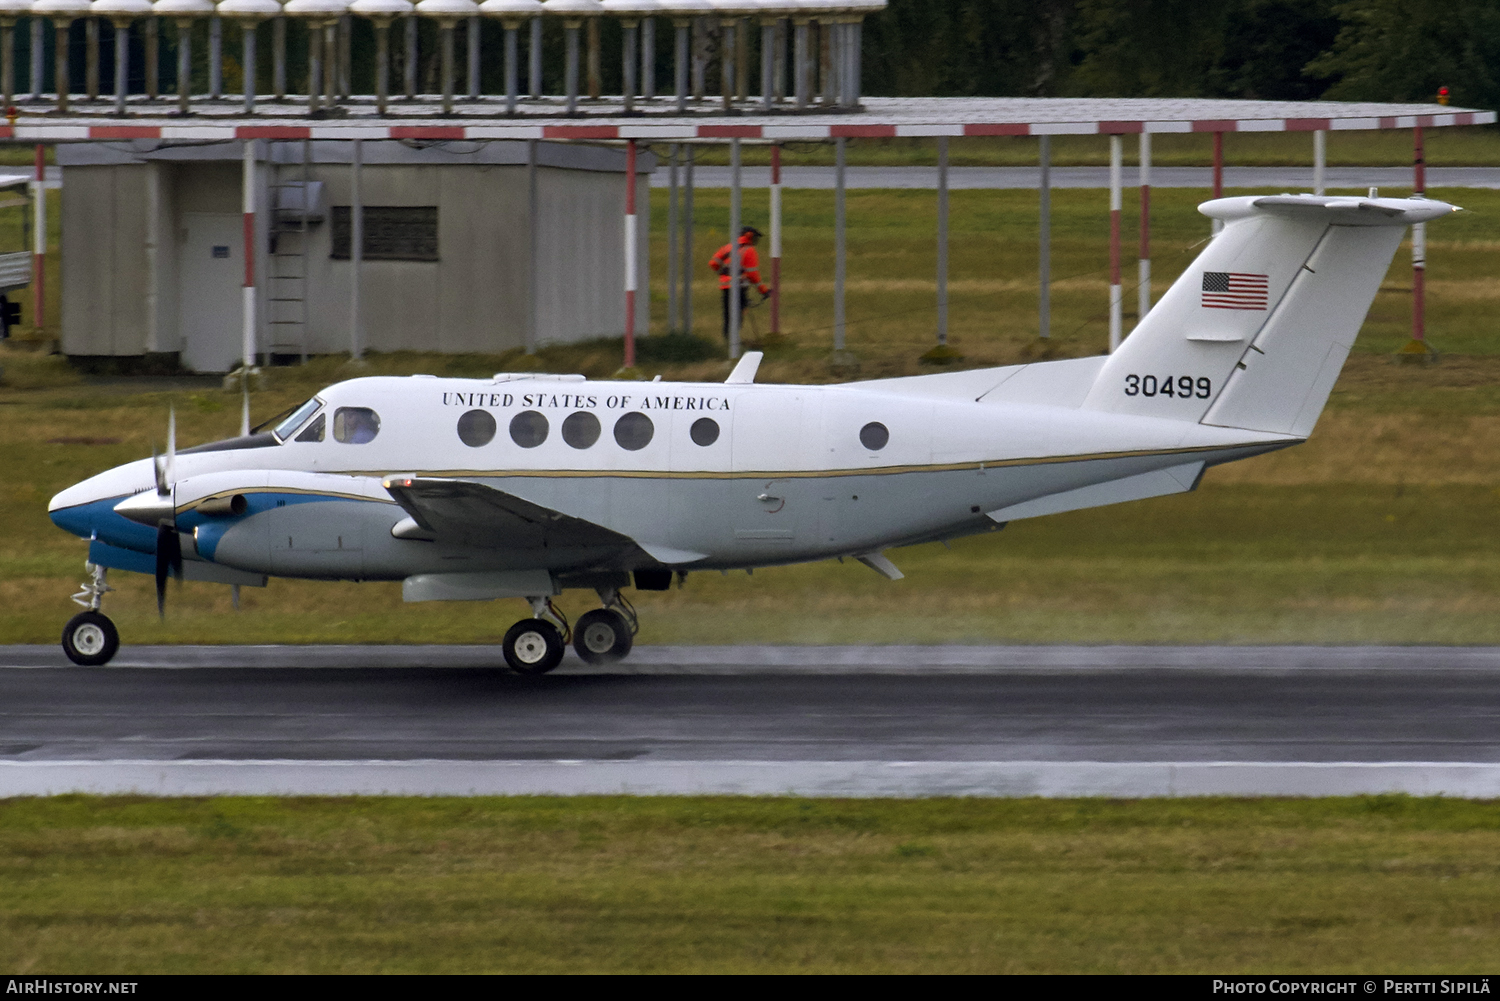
x=90 y=639
x=533 y=646
x=602 y=636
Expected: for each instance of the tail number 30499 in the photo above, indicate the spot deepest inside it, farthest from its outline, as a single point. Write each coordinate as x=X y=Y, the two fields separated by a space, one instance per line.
x=1168 y=385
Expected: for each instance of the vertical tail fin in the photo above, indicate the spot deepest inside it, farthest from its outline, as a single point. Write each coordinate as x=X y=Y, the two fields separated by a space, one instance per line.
x=1254 y=333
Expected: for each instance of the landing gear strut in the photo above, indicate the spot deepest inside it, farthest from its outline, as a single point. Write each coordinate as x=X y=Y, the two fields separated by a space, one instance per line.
x=90 y=639
x=536 y=645
x=602 y=636
x=606 y=634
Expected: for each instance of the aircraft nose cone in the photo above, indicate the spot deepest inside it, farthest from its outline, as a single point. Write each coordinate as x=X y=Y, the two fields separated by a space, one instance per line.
x=77 y=519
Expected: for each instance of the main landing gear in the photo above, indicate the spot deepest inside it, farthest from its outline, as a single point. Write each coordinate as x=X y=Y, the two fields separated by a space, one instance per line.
x=90 y=639
x=602 y=636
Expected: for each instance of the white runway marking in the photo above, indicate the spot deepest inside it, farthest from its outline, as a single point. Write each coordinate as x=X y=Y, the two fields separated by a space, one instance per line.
x=805 y=660
x=917 y=779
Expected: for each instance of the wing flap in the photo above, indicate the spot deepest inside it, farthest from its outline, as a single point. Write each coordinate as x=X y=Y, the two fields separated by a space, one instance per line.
x=472 y=514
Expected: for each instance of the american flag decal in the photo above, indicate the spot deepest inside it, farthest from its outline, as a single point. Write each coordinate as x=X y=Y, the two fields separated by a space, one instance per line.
x=1232 y=290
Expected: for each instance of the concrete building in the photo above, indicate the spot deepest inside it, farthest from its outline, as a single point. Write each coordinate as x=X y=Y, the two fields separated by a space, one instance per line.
x=153 y=247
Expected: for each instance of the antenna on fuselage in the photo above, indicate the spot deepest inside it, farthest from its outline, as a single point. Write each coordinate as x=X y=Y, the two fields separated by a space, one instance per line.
x=744 y=372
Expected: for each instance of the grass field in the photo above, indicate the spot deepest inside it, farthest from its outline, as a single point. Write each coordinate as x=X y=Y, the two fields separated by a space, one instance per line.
x=1466 y=146
x=993 y=273
x=1385 y=884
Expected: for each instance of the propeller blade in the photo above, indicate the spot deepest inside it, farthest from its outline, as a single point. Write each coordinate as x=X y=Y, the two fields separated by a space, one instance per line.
x=160 y=469
x=168 y=562
x=163 y=566
x=171 y=443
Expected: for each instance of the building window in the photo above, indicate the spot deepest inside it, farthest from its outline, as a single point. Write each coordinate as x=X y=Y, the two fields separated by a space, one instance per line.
x=392 y=233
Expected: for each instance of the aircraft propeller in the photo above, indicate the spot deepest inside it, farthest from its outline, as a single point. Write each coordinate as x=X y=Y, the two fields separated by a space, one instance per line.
x=168 y=542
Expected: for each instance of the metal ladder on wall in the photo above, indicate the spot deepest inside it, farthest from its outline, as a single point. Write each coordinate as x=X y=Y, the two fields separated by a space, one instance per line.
x=290 y=239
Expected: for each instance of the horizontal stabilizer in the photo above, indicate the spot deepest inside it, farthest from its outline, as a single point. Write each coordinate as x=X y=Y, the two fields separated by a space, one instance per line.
x=1340 y=210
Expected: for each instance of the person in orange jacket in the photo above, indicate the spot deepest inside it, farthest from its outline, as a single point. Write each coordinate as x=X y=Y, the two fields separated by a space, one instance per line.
x=749 y=273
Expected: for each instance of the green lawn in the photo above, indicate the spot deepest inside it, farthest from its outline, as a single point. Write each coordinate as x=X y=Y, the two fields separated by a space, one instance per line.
x=1466 y=146
x=127 y=885
x=993 y=273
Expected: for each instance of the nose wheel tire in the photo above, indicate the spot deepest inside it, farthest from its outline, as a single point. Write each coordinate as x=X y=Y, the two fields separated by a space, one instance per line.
x=533 y=646
x=602 y=636
x=90 y=639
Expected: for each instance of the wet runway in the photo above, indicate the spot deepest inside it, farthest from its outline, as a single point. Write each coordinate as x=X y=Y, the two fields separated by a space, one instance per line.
x=815 y=720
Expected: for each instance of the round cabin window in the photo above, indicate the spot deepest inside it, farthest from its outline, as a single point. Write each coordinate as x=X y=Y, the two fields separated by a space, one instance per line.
x=634 y=431
x=528 y=429
x=355 y=425
x=476 y=428
x=705 y=431
x=874 y=436
x=581 y=429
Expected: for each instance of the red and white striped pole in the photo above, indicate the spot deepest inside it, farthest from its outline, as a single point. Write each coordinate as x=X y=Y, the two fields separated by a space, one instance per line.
x=39 y=245
x=630 y=266
x=1218 y=165
x=1143 y=289
x=248 y=331
x=1418 y=246
x=775 y=239
x=1116 y=295
x=1218 y=174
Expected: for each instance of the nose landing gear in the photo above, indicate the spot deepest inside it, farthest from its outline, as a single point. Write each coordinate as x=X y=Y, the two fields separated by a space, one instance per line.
x=90 y=638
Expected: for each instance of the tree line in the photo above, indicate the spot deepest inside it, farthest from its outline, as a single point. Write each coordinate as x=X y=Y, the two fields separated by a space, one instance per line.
x=1378 y=50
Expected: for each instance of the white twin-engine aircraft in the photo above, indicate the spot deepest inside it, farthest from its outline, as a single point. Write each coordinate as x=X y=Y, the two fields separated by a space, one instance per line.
x=525 y=485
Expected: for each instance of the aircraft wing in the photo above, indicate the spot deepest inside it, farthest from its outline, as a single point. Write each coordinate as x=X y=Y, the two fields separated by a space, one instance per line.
x=473 y=514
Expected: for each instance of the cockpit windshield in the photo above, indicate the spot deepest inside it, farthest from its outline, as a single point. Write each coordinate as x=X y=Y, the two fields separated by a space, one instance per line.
x=284 y=430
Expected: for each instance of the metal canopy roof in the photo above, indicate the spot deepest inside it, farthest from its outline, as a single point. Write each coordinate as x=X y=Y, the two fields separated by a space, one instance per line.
x=880 y=118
